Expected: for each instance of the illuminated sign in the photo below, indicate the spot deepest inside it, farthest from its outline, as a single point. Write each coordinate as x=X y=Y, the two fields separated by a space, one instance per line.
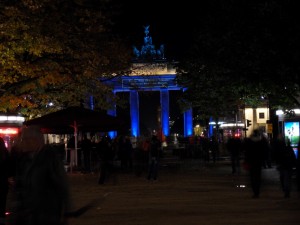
x=9 y=130
x=291 y=131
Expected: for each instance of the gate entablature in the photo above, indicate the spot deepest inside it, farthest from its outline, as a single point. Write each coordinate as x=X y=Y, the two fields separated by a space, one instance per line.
x=147 y=77
x=149 y=83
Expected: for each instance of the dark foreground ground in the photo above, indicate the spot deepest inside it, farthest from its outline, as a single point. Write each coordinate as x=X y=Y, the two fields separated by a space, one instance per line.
x=192 y=194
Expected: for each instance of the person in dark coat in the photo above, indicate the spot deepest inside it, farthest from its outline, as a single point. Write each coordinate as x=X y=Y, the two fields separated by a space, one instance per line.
x=254 y=158
x=278 y=145
x=106 y=156
x=155 y=146
x=286 y=163
x=129 y=152
x=4 y=175
x=234 y=147
x=126 y=153
x=86 y=148
x=214 y=146
x=267 y=154
x=41 y=190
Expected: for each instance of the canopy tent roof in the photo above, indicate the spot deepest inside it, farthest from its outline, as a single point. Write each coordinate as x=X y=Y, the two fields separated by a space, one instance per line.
x=76 y=118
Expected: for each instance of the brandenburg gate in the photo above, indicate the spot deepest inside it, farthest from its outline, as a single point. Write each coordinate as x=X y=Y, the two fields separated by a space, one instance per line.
x=150 y=71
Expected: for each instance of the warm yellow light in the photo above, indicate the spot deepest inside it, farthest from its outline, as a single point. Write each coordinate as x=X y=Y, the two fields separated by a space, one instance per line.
x=12 y=118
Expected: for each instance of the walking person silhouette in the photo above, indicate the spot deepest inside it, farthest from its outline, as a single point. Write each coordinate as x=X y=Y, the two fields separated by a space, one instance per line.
x=286 y=163
x=234 y=147
x=4 y=184
x=41 y=190
x=254 y=157
x=155 y=146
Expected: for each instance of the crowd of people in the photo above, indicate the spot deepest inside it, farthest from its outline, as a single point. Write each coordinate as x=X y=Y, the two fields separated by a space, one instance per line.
x=36 y=175
x=257 y=152
x=109 y=156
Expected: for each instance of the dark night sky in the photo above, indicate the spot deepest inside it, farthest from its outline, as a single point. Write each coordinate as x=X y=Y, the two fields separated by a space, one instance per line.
x=170 y=23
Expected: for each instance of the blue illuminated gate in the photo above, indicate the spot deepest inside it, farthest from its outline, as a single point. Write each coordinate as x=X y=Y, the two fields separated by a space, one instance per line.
x=161 y=83
x=150 y=72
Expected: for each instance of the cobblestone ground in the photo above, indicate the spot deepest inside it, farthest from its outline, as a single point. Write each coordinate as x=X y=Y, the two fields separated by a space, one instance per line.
x=192 y=194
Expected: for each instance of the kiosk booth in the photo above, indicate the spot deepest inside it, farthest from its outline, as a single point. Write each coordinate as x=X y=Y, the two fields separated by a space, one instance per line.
x=289 y=127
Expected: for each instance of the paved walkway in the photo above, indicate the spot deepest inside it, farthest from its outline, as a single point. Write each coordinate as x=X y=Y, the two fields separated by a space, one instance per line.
x=195 y=193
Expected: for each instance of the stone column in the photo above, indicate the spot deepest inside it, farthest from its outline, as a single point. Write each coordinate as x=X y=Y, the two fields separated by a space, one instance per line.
x=112 y=112
x=164 y=104
x=92 y=103
x=134 y=113
x=188 y=123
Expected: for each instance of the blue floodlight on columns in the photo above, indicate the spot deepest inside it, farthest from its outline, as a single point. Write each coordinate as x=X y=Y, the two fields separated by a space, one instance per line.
x=92 y=103
x=112 y=112
x=164 y=103
x=188 y=123
x=211 y=128
x=134 y=113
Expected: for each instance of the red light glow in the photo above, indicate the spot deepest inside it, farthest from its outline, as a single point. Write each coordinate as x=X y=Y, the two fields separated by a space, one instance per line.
x=9 y=130
x=237 y=135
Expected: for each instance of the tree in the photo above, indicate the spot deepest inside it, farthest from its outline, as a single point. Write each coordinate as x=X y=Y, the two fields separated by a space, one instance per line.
x=57 y=52
x=242 y=51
